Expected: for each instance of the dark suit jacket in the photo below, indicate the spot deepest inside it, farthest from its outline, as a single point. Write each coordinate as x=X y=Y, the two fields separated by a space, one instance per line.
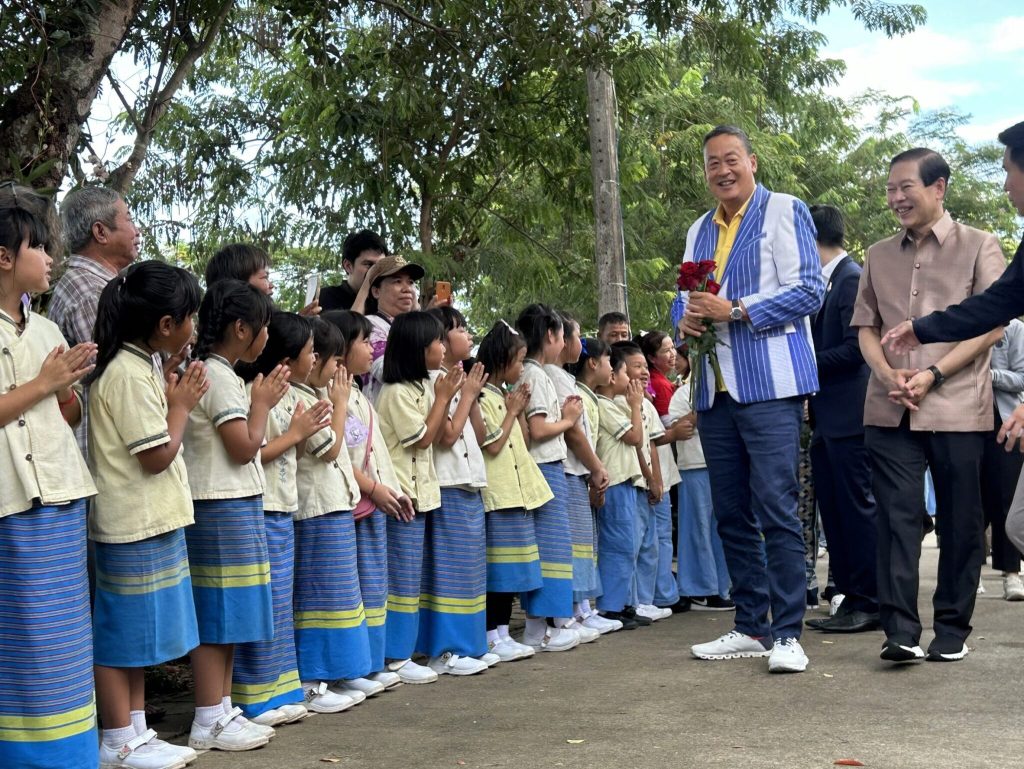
x=837 y=410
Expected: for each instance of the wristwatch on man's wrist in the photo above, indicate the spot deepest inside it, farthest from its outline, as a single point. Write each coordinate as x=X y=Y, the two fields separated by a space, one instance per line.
x=939 y=376
x=736 y=313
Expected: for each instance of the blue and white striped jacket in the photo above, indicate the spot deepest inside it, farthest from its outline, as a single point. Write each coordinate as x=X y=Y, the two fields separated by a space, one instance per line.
x=774 y=269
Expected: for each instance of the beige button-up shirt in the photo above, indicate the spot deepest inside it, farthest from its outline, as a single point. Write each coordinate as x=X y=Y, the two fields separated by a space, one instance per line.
x=904 y=280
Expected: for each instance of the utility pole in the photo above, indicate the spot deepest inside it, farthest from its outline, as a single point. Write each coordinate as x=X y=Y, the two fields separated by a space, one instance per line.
x=609 y=244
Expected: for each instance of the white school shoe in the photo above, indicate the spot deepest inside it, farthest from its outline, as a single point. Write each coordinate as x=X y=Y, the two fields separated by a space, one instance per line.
x=320 y=699
x=653 y=613
x=387 y=678
x=411 y=673
x=454 y=665
x=366 y=686
x=555 y=639
x=294 y=712
x=139 y=753
x=489 y=659
x=584 y=633
x=602 y=625
x=256 y=727
x=273 y=717
x=184 y=752
x=508 y=650
x=733 y=645
x=226 y=734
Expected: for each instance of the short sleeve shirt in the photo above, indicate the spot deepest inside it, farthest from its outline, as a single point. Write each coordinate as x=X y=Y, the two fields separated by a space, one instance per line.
x=514 y=482
x=903 y=280
x=461 y=465
x=324 y=485
x=39 y=458
x=212 y=473
x=653 y=429
x=403 y=409
x=543 y=400
x=366 y=450
x=565 y=385
x=619 y=459
x=128 y=408
x=689 y=454
x=282 y=493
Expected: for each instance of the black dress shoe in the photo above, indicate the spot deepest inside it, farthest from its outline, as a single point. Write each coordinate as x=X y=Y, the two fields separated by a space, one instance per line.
x=639 y=619
x=815 y=623
x=851 y=622
x=628 y=623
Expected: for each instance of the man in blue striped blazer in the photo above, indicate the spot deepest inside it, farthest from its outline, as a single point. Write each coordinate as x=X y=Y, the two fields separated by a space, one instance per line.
x=763 y=244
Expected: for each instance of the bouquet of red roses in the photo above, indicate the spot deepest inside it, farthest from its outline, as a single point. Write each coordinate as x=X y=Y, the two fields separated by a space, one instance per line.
x=696 y=276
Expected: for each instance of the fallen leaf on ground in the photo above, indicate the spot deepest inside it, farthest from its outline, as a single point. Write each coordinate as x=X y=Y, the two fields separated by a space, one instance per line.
x=847 y=762
x=330 y=760
x=829 y=675
x=828 y=642
x=575 y=742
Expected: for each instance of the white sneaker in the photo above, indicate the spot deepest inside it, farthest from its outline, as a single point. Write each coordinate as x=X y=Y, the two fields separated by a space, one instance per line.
x=835 y=603
x=981 y=588
x=272 y=717
x=1013 y=588
x=508 y=650
x=411 y=673
x=555 y=639
x=602 y=625
x=385 y=677
x=653 y=613
x=226 y=734
x=787 y=657
x=184 y=752
x=454 y=665
x=294 y=712
x=489 y=659
x=368 y=687
x=139 y=753
x=585 y=634
x=320 y=699
x=733 y=645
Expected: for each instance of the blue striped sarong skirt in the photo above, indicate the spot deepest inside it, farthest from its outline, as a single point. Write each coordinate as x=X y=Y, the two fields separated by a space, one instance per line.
x=266 y=673
x=47 y=710
x=227 y=552
x=581 y=532
x=513 y=562
x=331 y=641
x=453 y=594
x=372 y=562
x=143 y=612
x=551 y=524
x=405 y=570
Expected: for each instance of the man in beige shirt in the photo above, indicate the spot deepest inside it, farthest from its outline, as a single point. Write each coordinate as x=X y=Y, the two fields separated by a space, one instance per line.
x=931 y=407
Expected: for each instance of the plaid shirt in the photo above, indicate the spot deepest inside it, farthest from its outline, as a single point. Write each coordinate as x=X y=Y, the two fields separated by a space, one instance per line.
x=73 y=308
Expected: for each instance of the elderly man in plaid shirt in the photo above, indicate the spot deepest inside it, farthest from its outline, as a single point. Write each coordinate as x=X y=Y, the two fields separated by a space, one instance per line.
x=103 y=241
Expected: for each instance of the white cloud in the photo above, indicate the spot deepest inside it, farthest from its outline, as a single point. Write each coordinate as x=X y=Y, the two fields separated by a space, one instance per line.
x=976 y=133
x=1008 y=35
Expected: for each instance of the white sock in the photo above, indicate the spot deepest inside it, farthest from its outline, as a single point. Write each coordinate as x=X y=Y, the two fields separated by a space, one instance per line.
x=208 y=716
x=225 y=702
x=562 y=621
x=115 y=738
x=139 y=721
x=585 y=610
x=493 y=637
x=503 y=631
x=536 y=626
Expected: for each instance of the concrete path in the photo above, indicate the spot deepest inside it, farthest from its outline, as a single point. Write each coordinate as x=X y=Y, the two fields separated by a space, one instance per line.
x=637 y=699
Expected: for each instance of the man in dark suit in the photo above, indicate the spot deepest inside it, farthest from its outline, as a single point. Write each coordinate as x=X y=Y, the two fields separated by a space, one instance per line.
x=839 y=461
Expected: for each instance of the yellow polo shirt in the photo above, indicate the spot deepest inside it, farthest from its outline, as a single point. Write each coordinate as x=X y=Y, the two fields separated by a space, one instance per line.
x=619 y=459
x=39 y=457
x=282 y=493
x=325 y=486
x=364 y=449
x=127 y=415
x=514 y=482
x=727 y=235
x=403 y=409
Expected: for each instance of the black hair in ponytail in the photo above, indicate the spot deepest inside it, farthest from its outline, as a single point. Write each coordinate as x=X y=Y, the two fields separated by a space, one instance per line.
x=133 y=303
x=591 y=348
x=499 y=348
x=328 y=341
x=534 y=323
x=226 y=302
x=287 y=334
x=352 y=325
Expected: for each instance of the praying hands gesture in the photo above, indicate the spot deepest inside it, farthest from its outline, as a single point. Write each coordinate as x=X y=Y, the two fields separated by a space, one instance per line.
x=446 y=386
x=517 y=400
x=474 y=382
x=267 y=391
x=307 y=422
x=340 y=387
x=185 y=391
x=62 y=368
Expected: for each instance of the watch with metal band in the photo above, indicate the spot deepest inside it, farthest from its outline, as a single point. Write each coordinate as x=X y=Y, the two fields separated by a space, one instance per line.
x=939 y=376
x=736 y=313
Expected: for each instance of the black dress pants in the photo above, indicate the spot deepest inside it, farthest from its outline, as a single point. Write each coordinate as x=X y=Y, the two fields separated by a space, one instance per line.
x=1000 y=470
x=898 y=461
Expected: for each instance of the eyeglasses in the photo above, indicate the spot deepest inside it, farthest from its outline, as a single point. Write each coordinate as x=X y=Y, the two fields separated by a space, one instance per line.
x=14 y=190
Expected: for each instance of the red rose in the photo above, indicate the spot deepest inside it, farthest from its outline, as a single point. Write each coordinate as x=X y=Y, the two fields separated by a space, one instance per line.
x=712 y=287
x=707 y=267
x=690 y=276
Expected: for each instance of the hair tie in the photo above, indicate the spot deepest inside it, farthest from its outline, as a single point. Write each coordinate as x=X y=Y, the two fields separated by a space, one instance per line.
x=583 y=346
x=508 y=326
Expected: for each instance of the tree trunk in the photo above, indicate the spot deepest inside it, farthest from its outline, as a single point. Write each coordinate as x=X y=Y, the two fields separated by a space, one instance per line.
x=426 y=223
x=41 y=122
x=609 y=245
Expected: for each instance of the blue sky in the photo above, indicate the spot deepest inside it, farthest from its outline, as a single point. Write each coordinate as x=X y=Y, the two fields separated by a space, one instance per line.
x=969 y=55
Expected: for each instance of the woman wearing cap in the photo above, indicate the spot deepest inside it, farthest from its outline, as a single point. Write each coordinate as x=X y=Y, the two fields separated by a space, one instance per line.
x=388 y=291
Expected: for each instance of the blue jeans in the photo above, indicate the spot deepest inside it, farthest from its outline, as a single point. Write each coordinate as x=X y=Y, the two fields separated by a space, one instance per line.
x=702 y=570
x=656 y=584
x=645 y=552
x=752 y=452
